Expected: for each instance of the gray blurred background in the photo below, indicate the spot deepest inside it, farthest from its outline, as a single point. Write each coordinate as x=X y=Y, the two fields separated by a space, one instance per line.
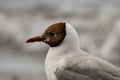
x=96 y=21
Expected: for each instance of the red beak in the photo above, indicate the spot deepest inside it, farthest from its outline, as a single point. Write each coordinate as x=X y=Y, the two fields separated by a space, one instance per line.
x=34 y=39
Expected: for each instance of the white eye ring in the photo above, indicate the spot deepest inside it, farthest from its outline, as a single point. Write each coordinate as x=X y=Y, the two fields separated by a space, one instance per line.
x=47 y=39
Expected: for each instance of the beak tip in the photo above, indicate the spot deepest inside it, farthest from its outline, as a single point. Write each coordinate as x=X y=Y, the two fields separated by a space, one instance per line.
x=28 y=41
x=34 y=39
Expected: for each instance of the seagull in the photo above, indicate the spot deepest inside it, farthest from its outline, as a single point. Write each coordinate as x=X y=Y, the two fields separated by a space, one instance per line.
x=66 y=61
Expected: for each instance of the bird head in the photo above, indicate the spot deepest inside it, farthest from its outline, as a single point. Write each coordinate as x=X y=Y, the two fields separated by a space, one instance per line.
x=53 y=35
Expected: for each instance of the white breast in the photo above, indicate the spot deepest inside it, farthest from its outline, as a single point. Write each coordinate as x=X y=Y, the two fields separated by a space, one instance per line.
x=52 y=63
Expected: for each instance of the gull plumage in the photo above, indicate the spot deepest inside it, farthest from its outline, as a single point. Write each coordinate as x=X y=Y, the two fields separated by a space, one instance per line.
x=66 y=61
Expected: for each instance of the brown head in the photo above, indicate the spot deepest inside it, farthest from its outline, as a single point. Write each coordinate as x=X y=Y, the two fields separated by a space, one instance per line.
x=53 y=35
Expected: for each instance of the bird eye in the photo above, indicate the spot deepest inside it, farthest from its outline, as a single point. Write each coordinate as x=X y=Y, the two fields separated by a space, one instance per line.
x=52 y=33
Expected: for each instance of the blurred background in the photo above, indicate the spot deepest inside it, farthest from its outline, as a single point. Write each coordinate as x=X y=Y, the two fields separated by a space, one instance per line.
x=96 y=21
